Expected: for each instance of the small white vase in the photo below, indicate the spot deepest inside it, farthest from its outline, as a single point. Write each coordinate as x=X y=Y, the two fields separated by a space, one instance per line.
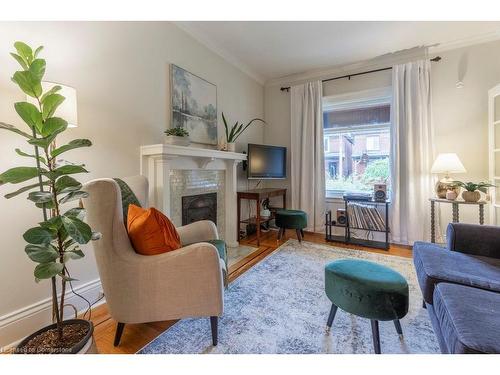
x=451 y=195
x=231 y=147
x=177 y=141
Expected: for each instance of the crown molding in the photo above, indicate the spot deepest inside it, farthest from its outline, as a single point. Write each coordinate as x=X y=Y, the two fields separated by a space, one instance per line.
x=465 y=42
x=228 y=57
x=385 y=60
x=382 y=61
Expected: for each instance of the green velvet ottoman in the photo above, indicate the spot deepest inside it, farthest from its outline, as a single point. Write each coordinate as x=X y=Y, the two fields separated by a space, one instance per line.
x=368 y=290
x=291 y=219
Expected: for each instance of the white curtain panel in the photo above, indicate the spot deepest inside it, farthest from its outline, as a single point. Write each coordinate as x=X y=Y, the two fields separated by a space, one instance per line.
x=412 y=152
x=307 y=153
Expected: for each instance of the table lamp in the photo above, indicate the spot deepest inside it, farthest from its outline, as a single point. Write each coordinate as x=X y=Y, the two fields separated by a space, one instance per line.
x=447 y=164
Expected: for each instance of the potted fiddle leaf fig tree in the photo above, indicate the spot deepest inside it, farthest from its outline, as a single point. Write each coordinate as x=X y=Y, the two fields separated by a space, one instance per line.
x=49 y=184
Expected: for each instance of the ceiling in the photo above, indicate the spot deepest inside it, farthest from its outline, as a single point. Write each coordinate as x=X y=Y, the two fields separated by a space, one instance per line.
x=268 y=50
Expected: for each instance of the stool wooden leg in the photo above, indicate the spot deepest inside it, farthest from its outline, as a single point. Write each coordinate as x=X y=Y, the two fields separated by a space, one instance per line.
x=399 y=330
x=329 y=322
x=376 y=337
x=302 y=233
x=280 y=233
x=299 y=235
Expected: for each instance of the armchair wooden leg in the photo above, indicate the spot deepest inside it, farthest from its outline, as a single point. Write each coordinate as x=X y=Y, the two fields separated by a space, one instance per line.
x=118 y=334
x=214 y=320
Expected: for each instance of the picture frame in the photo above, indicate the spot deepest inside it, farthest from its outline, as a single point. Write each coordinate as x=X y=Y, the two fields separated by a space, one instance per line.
x=193 y=105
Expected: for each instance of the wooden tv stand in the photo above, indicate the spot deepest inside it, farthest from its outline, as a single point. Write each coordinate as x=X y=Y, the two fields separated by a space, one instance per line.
x=258 y=195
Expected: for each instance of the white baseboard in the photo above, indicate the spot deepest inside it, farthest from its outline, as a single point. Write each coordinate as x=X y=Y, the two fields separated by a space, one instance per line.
x=18 y=324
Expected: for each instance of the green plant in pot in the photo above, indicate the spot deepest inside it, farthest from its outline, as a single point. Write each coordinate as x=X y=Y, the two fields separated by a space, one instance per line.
x=48 y=183
x=472 y=190
x=177 y=136
x=233 y=132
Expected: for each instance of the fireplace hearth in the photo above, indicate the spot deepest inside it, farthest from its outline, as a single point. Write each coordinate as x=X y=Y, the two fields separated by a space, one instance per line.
x=199 y=207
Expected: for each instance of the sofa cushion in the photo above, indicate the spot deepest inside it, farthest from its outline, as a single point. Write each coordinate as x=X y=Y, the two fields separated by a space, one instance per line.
x=469 y=318
x=474 y=239
x=151 y=232
x=435 y=264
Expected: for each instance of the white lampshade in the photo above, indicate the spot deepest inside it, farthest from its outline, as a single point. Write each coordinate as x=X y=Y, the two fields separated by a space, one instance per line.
x=68 y=109
x=447 y=163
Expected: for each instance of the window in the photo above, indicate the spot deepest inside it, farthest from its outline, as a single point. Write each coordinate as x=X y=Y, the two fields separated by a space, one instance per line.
x=373 y=143
x=357 y=142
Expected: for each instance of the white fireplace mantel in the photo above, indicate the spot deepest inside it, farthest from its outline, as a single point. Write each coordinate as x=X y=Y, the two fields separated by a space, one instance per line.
x=158 y=160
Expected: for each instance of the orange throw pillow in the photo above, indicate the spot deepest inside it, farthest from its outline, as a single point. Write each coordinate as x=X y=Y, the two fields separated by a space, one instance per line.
x=150 y=231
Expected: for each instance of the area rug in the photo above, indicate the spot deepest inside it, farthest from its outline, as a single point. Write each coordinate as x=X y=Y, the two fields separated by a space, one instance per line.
x=279 y=306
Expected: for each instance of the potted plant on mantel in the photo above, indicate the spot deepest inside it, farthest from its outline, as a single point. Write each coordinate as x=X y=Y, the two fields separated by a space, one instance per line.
x=177 y=136
x=471 y=192
x=235 y=131
x=55 y=241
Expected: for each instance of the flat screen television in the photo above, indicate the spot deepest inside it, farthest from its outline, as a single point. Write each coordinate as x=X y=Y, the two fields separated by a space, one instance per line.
x=266 y=162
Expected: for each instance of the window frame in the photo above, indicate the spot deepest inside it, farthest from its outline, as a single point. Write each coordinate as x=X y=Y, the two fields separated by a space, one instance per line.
x=326 y=146
x=352 y=100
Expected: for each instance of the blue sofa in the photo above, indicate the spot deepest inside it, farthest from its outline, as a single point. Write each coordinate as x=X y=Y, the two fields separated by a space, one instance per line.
x=461 y=288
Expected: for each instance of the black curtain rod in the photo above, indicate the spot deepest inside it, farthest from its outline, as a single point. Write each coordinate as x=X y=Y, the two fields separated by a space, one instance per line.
x=348 y=76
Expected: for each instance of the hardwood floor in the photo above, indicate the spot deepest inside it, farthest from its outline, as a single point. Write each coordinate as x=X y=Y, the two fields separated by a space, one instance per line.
x=136 y=336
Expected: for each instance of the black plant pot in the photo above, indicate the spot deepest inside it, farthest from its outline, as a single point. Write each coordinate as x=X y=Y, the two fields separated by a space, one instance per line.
x=86 y=345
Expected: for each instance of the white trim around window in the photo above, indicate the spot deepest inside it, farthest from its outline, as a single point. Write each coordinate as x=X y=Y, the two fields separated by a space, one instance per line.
x=363 y=98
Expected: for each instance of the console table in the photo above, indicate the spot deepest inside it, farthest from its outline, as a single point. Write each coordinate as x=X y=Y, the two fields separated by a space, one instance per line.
x=455 y=212
x=257 y=195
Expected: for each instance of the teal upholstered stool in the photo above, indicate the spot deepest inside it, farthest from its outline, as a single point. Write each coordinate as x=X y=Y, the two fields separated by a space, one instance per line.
x=368 y=290
x=291 y=219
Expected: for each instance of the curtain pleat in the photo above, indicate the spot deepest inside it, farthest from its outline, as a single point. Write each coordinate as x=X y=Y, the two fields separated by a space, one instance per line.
x=412 y=153
x=307 y=153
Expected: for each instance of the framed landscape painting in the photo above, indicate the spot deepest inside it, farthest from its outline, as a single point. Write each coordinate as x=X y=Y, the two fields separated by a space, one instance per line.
x=194 y=106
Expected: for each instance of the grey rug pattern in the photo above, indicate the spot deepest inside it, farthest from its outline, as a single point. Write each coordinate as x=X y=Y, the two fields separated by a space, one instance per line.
x=279 y=306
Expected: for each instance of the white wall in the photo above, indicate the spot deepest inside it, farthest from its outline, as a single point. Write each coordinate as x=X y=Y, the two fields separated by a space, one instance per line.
x=119 y=70
x=460 y=115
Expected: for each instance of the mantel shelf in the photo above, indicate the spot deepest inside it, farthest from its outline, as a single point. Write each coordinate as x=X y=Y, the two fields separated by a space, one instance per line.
x=193 y=152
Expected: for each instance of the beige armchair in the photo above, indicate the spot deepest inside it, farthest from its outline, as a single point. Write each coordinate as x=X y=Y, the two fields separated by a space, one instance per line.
x=179 y=284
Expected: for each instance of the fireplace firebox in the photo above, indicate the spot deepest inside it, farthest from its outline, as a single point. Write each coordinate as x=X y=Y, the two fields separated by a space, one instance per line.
x=199 y=207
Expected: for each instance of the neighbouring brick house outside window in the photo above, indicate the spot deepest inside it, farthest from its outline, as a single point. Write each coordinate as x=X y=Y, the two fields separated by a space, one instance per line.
x=357 y=146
